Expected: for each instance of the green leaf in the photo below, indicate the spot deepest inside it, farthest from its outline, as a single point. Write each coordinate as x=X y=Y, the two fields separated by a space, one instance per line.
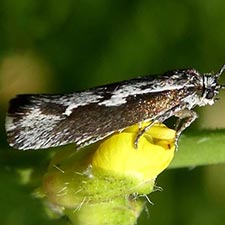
x=200 y=147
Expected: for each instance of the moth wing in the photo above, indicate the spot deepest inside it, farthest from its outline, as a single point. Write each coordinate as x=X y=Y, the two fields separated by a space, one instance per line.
x=43 y=121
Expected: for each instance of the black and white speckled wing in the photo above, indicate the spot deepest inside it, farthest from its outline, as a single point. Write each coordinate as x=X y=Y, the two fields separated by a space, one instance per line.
x=43 y=121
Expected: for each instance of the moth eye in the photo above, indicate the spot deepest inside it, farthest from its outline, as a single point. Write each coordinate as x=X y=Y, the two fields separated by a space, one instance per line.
x=210 y=94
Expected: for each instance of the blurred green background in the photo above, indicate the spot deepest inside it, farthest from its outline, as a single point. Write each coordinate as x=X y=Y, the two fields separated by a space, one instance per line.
x=63 y=46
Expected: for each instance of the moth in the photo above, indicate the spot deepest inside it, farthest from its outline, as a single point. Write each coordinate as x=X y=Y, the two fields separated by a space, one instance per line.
x=36 y=121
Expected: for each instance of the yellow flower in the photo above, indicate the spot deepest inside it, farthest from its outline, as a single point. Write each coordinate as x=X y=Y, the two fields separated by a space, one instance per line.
x=154 y=153
x=100 y=180
x=109 y=169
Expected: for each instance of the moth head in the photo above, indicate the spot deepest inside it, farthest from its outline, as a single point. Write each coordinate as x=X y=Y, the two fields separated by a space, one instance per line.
x=211 y=87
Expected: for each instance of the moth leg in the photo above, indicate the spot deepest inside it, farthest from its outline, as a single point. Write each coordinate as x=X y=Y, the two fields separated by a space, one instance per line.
x=179 y=111
x=189 y=116
x=177 y=124
x=141 y=132
x=158 y=119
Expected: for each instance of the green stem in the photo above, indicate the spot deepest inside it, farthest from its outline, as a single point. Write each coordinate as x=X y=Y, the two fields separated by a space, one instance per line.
x=200 y=147
x=117 y=211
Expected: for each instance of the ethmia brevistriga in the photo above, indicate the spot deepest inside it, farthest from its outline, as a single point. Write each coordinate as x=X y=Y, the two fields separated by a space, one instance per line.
x=36 y=121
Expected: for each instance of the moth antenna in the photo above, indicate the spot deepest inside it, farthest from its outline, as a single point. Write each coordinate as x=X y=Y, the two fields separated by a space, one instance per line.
x=220 y=73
